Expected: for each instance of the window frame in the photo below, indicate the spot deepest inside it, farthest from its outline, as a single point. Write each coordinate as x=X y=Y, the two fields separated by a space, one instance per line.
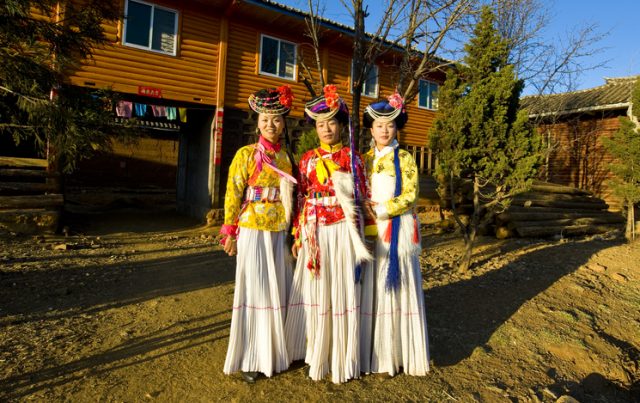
x=295 y=58
x=377 y=91
x=153 y=6
x=418 y=97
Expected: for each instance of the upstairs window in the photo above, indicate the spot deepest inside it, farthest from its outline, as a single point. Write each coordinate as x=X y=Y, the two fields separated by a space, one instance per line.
x=277 y=58
x=150 y=27
x=370 y=85
x=428 y=95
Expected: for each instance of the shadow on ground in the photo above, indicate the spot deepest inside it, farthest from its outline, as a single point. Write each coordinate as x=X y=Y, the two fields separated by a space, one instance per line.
x=124 y=220
x=463 y=315
x=88 y=289
x=180 y=336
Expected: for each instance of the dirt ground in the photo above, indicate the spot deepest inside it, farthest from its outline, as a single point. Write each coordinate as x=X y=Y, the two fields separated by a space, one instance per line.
x=135 y=306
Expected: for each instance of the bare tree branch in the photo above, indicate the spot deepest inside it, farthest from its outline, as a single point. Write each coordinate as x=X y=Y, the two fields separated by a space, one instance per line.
x=313 y=32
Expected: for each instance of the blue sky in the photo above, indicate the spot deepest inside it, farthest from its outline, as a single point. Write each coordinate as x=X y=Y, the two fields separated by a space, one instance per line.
x=620 y=18
x=617 y=17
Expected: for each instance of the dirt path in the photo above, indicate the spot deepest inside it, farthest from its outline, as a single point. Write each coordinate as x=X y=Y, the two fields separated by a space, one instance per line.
x=137 y=309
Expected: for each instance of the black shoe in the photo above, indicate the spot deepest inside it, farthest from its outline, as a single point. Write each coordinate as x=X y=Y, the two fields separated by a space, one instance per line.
x=249 y=377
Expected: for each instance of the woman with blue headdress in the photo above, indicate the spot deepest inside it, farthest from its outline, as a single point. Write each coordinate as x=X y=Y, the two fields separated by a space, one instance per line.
x=400 y=329
x=323 y=315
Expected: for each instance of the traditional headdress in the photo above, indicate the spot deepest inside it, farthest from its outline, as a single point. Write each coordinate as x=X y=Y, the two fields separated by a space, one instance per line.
x=387 y=110
x=272 y=101
x=327 y=106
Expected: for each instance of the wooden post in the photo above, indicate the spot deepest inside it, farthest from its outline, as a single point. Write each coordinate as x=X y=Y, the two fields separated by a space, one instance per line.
x=215 y=151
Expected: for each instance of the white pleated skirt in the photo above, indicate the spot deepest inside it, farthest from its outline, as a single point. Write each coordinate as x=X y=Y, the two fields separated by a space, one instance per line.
x=263 y=278
x=323 y=322
x=400 y=336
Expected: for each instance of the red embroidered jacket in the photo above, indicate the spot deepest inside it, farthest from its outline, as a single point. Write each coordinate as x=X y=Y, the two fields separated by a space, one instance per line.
x=310 y=187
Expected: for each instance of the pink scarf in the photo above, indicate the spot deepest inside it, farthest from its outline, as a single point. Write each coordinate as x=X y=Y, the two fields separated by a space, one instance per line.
x=261 y=158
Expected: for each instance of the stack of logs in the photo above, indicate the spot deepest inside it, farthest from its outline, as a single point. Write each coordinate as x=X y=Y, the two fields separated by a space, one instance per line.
x=555 y=210
x=30 y=198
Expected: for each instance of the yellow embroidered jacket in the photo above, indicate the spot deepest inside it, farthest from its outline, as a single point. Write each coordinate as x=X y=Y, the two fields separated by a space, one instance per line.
x=262 y=214
x=390 y=206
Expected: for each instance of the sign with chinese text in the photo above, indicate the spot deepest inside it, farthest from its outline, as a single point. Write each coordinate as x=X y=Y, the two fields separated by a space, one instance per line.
x=150 y=91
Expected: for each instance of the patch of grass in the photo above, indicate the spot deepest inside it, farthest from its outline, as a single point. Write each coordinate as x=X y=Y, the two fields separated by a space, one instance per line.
x=499 y=339
x=567 y=316
x=584 y=316
x=506 y=335
x=550 y=337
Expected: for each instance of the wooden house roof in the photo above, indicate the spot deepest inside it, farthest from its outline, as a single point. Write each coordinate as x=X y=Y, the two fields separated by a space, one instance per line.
x=269 y=12
x=614 y=94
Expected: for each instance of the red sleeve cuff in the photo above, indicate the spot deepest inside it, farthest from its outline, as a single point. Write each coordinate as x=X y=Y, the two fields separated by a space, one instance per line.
x=228 y=231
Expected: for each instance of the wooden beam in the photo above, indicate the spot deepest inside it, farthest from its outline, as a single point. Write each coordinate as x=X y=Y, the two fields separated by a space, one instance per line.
x=29 y=188
x=26 y=173
x=36 y=201
x=563 y=231
x=14 y=162
x=217 y=132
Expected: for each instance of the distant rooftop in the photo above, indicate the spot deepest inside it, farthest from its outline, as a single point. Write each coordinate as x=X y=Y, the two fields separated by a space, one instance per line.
x=614 y=94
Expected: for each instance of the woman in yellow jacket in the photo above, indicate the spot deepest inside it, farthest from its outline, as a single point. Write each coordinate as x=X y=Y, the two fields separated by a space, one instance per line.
x=258 y=204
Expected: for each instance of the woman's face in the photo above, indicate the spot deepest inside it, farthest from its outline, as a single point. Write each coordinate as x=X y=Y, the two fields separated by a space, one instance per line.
x=329 y=131
x=270 y=126
x=383 y=132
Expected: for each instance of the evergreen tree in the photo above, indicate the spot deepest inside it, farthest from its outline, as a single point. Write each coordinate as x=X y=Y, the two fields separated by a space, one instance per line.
x=624 y=146
x=481 y=138
x=307 y=141
x=41 y=43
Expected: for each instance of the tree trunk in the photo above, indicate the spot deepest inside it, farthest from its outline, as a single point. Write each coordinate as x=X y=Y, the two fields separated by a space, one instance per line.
x=465 y=261
x=629 y=233
x=358 y=71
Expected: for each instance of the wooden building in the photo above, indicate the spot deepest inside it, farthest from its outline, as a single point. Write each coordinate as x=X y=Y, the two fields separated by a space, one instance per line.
x=205 y=57
x=572 y=125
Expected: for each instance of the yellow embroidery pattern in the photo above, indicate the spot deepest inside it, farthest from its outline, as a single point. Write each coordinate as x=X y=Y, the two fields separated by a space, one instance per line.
x=409 y=197
x=260 y=215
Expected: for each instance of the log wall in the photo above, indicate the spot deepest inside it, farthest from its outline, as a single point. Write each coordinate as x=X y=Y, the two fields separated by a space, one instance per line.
x=578 y=157
x=189 y=76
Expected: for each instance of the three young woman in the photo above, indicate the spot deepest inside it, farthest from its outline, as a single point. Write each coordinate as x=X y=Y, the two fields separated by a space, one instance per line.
x=330 y=315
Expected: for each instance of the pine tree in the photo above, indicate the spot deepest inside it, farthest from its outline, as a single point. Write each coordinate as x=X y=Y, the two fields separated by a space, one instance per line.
x=624 y=146
x=481 y=137
x=41 y=43
x=307 y=141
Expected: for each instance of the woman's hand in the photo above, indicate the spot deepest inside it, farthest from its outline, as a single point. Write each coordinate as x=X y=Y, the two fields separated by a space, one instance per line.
x=230 y=246
x=369 y=209
x=294 y=250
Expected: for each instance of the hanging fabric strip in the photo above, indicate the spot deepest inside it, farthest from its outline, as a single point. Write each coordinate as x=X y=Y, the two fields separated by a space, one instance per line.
x=123 y=109
x=141 y=110
x=172 y=113
x=393 y=274
x=159 y=111
x=183 y=114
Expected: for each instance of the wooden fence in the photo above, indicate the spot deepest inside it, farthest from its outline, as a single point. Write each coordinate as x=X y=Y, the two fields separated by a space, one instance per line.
x=424 y=156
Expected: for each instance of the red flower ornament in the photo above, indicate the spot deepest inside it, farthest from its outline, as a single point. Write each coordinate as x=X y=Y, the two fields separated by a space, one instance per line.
x=286 y=96
x=331 y=96
x=396 y=100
